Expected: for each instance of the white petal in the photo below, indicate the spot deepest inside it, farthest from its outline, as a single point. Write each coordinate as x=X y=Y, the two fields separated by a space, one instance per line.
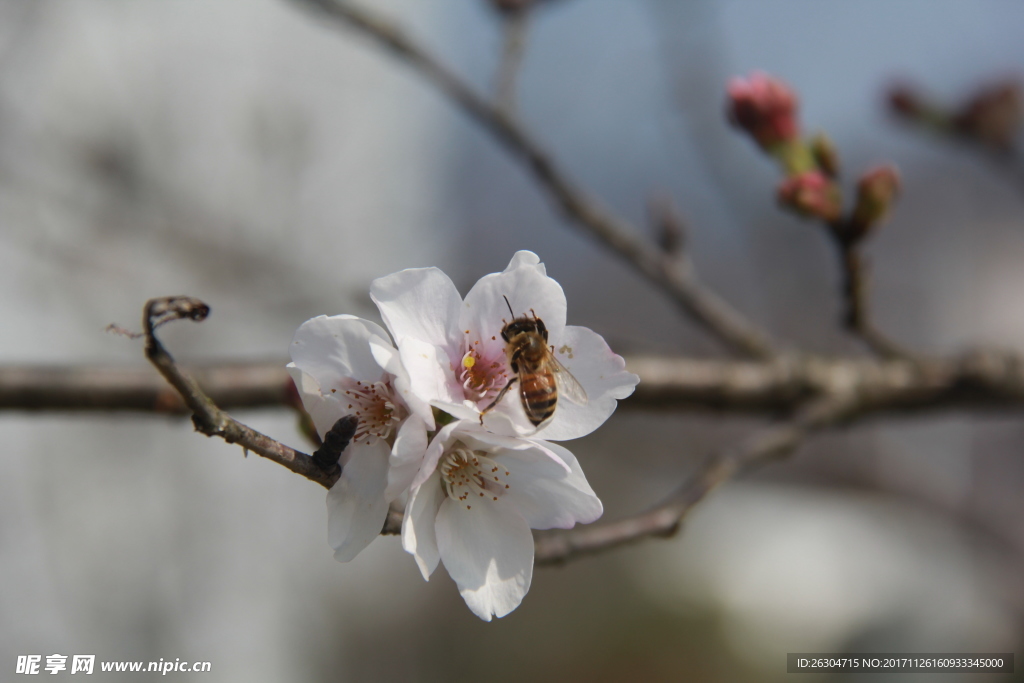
x=430 y=376
x=325 y=410
x=529 y=290
x=476 y=437
x=434 y=452
x=406 y=457
x=459 y=411
x=418 y=302
x=524 y=257
x=331 y=348
x=387 y=357
x=494 y=422
x=602 y=374
x=549 y=496
x=509 y=416
x=356 y=507
x=418 y=534
x=488 y=551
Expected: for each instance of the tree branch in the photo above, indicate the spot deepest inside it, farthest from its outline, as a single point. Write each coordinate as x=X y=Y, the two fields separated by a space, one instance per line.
x=682 y=285
x=839 y=395
x=856 y=314
x=207 y=417
x=553 y=547
x=514 y=29
x=979 y=380
x=86 y=388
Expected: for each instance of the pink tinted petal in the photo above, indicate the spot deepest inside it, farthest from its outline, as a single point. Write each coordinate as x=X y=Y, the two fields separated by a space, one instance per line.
x=356 y=507
x=527 y=287
x=406 y=457
x=331 y=348
x=418 y=535
x=418 y=302
x=488 y=551
x=549 y=496
x=604 y=377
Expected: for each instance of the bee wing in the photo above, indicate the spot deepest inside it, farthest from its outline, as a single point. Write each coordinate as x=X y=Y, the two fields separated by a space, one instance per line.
x=568 y=385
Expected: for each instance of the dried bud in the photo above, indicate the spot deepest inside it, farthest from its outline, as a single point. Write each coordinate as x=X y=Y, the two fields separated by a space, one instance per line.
x=669 y=224
x=992 y=116
x=905 y=101
x=335 y=441
x=511 y=6
x=811 y=194
x=876 y=191
x=825 y=154
x=764 y=107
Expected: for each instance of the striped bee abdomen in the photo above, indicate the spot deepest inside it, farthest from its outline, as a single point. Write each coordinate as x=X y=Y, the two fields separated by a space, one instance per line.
x=539 y=395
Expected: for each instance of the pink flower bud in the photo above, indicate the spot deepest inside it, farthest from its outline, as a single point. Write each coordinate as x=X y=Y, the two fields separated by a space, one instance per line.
x=811 y=194
x=765 y=107
x=876 y=190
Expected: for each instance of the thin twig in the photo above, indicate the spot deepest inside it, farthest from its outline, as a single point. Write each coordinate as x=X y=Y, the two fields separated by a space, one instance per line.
x=682 y=285
x=514 y=30
x=664 y=519
x=856 y=315
x=207 y=417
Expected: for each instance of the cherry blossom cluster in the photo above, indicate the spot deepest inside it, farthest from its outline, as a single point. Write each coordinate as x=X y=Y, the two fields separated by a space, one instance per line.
x=767 y=109
x=475 y=476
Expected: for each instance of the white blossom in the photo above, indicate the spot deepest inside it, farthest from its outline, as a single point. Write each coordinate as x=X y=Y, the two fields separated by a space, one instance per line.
x=343 y=365
x=456 y=358
x=489 y=475
x=473 y=503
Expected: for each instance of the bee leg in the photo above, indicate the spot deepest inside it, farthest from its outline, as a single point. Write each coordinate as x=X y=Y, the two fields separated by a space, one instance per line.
x=501 y=395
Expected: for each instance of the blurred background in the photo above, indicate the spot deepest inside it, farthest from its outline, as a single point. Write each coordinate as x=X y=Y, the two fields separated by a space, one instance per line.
x=248 y=154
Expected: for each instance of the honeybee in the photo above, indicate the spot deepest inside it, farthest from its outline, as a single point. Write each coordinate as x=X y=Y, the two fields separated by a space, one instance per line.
x=536 y=368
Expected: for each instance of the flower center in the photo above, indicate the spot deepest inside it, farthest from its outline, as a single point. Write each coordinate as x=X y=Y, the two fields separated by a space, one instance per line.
x=482 y=376
x=468 y=475
x=375 y=407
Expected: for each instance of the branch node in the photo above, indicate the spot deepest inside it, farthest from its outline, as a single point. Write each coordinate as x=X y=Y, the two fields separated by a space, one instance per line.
x=672 y=231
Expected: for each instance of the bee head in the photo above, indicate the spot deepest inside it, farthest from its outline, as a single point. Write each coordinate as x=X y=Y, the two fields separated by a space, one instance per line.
x=517 y=327
x=522 y=325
